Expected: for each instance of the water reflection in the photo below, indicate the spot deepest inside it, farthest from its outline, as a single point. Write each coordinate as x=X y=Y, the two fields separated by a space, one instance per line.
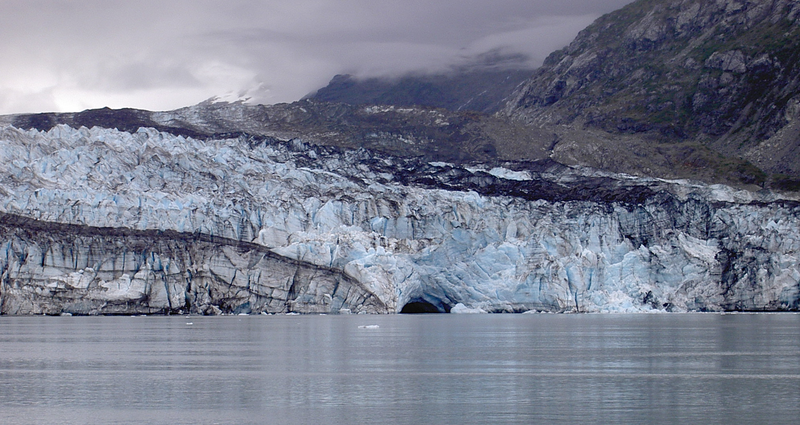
x=408 y=369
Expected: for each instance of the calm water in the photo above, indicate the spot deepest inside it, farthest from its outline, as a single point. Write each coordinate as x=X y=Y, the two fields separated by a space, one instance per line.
x=449 y=369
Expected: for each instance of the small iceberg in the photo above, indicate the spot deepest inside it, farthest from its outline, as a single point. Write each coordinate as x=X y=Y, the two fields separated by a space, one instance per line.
x=462 y=309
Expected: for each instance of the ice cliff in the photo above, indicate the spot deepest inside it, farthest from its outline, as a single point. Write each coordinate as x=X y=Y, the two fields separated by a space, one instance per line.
x=104 y=221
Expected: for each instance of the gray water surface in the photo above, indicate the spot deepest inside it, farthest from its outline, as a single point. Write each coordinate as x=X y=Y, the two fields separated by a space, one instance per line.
x=438 y=369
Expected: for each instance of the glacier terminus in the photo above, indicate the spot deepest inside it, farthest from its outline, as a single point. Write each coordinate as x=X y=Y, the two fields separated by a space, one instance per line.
x=102 y=221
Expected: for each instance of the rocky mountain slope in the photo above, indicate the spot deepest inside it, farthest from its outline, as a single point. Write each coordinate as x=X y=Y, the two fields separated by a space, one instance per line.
x=481 y=91
x=483 y=84
x=680 y=76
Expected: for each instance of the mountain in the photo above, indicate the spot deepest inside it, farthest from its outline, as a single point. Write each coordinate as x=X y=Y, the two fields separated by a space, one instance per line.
x=580 y=195
x=481 y=91
x=687 y=82
x=483 y=84
x=670 y=89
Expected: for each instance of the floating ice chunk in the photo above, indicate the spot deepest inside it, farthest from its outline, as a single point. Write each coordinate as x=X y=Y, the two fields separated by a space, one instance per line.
x=462 y=309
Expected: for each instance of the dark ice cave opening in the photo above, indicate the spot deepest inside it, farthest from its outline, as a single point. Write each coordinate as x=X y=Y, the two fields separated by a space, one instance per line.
x=419 y=306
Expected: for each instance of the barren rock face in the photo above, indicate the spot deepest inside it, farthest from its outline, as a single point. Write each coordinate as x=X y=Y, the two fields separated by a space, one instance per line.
x=717 y=73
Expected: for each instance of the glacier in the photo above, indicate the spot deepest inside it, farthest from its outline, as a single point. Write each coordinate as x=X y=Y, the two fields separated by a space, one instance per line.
x=101 y=221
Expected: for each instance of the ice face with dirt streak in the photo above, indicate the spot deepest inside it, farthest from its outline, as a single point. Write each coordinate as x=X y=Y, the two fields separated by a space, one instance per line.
x=688 y=247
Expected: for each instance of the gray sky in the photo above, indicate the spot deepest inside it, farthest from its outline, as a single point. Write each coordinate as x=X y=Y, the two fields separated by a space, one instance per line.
x=70 y=55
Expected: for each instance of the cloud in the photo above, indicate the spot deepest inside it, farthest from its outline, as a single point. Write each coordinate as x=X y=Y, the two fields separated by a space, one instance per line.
x=28 y=100
x=536 y=39
x=66 y=55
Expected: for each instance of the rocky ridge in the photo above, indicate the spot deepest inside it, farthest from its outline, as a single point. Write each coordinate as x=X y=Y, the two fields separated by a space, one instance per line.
x=682 y=80
x=480 y=91
x=482 y=84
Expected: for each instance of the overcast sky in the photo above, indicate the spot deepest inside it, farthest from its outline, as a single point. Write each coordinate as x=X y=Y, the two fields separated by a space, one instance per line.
x=70 y=55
